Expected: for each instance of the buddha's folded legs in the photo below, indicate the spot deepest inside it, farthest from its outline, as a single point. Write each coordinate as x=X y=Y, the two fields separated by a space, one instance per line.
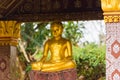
x=50 y=67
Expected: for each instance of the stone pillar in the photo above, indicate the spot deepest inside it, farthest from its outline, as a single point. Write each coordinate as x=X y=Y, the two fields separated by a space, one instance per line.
x=111 y=12
x=9 y=34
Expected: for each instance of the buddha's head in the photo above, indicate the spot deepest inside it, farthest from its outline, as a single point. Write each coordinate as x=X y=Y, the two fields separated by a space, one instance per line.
x=56 y=29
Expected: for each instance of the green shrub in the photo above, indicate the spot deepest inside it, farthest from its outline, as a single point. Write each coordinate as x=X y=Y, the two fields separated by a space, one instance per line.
x=90 y=61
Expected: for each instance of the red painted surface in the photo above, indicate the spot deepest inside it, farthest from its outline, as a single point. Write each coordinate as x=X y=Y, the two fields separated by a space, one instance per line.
x=4 y=63
x=69 y=74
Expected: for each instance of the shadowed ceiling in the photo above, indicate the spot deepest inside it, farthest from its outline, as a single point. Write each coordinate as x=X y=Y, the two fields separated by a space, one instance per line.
x=47 y=10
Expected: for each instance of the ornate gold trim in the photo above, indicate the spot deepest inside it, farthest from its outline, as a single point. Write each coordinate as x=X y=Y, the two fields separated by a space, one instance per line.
x=8 y=41
x=112 y=18
x=110 y=5
x=111 y=9
x=111 y=13
x=9 y=32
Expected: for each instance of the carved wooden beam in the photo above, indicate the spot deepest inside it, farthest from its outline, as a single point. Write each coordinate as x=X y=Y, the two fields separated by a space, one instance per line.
x=49 y=10
x=59 y=16
x=7 y=6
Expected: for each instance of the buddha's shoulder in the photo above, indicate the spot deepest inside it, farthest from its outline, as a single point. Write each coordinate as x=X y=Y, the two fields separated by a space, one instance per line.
x=49 y=41
x=64 y=40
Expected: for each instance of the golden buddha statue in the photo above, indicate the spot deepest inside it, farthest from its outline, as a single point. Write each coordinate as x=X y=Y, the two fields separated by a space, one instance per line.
x=61 y=52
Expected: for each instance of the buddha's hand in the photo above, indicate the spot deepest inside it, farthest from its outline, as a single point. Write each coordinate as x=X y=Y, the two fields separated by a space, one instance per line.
x=36 y=65
x=68 y=58
x=40 y=64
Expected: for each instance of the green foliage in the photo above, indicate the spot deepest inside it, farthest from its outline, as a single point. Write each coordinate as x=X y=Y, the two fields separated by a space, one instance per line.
x=73 y=31
x=38 y=55
x=34 y=34
x=90 y=61
x=28 y=68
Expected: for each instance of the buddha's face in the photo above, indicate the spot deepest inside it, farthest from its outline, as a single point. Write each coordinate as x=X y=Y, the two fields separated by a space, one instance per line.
x=56 y=30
